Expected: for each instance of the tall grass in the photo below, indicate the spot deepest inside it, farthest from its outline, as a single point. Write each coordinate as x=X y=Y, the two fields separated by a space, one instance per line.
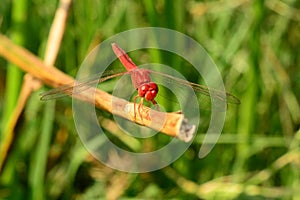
x=254 y=44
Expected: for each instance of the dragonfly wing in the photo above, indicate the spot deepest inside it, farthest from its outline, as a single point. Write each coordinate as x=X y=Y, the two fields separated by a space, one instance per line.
x=206 y=96
x=66 y=90
x=215 y=94
x=79 y=86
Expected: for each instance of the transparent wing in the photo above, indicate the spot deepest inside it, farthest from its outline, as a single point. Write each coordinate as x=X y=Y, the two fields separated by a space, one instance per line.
x=204 y=94
x=80 y=86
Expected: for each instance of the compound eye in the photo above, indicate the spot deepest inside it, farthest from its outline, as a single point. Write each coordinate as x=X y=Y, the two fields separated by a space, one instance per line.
x=142 y=90
x=153 y=86
x=151 y=94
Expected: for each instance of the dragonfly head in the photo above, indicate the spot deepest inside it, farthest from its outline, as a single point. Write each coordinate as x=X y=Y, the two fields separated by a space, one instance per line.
x=148 y=91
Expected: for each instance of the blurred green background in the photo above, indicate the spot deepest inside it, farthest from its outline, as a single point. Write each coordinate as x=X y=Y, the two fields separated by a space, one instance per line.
x=255 y=44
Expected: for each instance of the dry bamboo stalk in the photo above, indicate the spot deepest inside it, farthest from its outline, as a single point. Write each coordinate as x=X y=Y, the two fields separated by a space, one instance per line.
x=174 y=123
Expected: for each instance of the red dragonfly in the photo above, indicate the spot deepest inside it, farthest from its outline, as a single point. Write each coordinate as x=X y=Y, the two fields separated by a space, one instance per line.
x=141 y=79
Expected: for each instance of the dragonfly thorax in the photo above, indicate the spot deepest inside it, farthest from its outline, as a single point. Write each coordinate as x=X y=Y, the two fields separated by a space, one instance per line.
x=148 y=91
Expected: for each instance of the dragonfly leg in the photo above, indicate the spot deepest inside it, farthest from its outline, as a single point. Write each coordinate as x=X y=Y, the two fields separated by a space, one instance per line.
x=139 y=109
x=156 y=106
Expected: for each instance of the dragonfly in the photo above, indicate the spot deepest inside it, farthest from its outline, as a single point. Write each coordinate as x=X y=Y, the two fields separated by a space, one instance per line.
x=141 y=80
